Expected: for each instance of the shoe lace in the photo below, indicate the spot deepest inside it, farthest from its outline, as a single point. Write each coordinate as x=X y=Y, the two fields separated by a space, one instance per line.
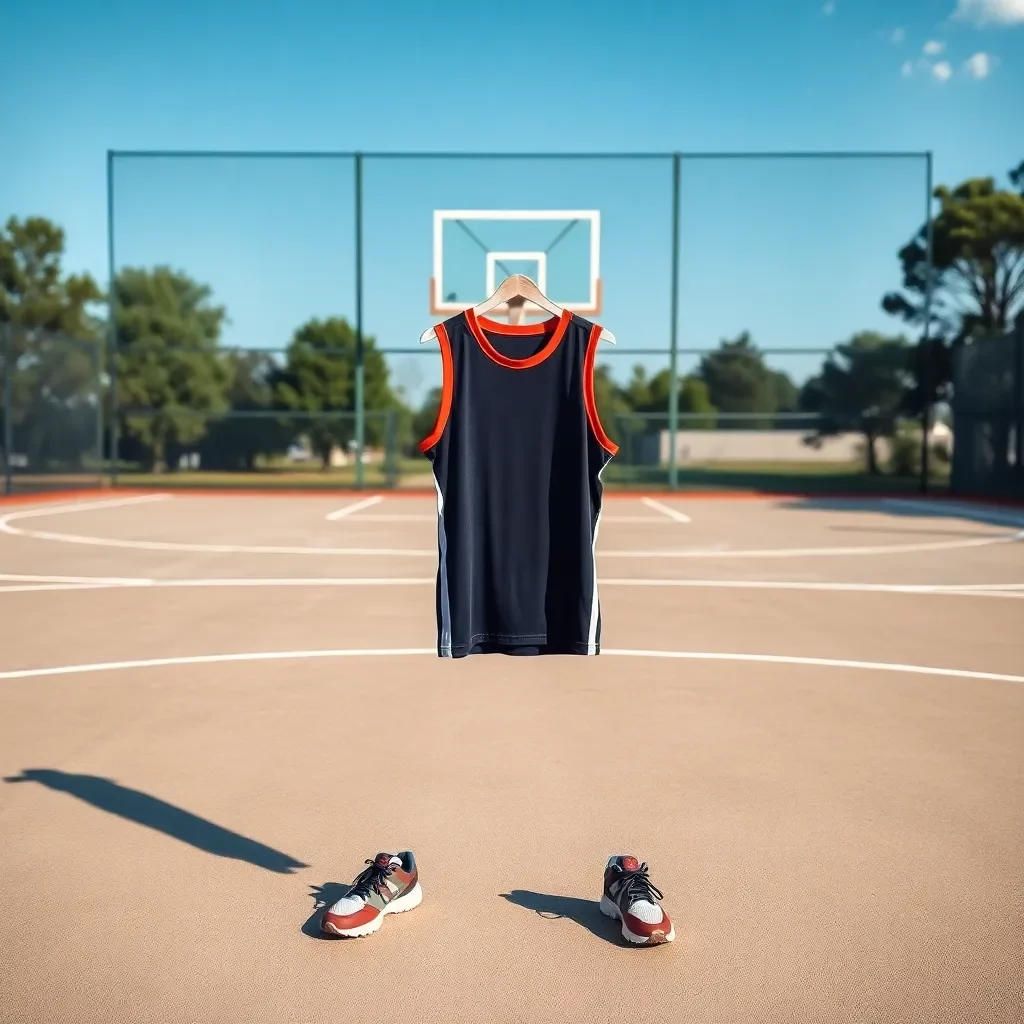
x=637 y=885
x=370 y=879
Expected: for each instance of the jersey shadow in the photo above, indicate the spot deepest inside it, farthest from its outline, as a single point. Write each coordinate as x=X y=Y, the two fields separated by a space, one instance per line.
x=152 y=812
x=585 y=913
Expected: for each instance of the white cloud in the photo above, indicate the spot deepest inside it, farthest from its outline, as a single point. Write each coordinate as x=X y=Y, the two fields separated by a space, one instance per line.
x=980 y=65
x=933 y=47
x=942 y=71
x=897 y=35
x=907 y=69
x=829 y=8
x=989 y=12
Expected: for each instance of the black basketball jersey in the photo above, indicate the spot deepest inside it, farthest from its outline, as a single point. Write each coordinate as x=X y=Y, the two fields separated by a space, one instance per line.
x=517 y=453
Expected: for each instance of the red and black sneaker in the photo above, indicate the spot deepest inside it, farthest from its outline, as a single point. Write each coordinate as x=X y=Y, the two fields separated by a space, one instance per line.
x=630 y=897
x=390 y=885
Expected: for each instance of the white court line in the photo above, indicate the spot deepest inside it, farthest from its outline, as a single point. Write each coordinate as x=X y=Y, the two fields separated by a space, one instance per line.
x=782 y=659
x=703 y=552
x=35 y=588
x=403 y=517
x=1003 y=590
x=103 y=580
x=882 y=549
x=398 y=517
x=634 y=519
x=347 y=510
x=79 y=506
x=209 y=659
x=962 y=589
x=994 y=586
x=764 y=659
x=220 y=549
x=666 y=510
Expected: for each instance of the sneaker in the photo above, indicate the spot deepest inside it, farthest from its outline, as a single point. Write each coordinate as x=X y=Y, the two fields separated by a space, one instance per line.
x=630 y=897
x=390 y=885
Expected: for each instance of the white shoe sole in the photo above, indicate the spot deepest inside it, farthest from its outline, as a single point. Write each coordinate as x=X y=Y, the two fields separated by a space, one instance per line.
x=409 y=901
x=655 y=939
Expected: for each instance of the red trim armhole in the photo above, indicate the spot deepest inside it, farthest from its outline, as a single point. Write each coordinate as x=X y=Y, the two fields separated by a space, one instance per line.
x=588 y=393
x=447 y=386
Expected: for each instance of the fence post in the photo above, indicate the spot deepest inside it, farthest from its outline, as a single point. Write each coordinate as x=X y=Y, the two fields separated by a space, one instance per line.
x=673 y=359
x=360 y=397
x=391 y=451
x=1018 y=403
x=115 y=440
x=7 y=404
x=926 y=345
x=97 y=365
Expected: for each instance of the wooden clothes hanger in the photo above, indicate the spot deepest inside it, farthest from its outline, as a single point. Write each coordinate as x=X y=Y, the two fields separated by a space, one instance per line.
x=523 y=288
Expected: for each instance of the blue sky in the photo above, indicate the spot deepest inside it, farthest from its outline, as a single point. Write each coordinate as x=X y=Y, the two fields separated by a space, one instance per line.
x=797 y=252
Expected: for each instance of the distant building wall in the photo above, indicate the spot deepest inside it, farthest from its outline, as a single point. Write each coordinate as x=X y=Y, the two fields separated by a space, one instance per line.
x=699 y=446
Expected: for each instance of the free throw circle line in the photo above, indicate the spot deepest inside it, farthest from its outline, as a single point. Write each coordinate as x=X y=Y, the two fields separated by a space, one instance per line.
x=30 y=584
x=257 y=549
x=724 y=656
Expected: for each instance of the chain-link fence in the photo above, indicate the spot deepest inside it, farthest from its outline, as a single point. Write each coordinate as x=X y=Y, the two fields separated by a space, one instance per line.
x=271 y=446
x=51 y=411
x=252 y=290
x=988 y=416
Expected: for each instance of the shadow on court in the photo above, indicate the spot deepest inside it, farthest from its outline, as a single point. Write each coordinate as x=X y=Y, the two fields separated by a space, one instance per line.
x=143 y=809
x=584 y=912
x=323 y=896
x=910 y=531
x=909 y=507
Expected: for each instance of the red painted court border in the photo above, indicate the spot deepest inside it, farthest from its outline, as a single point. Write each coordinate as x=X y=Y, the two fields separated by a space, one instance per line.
x=40 y=497
x=617 y=495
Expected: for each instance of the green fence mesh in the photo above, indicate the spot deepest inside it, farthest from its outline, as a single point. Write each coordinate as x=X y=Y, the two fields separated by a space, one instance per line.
x=266 y=312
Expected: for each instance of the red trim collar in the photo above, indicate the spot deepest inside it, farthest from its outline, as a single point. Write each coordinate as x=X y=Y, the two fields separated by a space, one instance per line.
x=556 y=325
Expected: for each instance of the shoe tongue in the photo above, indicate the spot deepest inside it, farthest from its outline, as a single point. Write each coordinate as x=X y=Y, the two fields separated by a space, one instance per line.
x=385 y=860
x=630 y=864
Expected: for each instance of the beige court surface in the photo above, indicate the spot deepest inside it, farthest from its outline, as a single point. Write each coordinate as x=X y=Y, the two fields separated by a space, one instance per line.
x=808 y=718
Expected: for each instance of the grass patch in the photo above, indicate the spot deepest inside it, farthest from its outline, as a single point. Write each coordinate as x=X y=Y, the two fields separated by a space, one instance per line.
x=764 y=477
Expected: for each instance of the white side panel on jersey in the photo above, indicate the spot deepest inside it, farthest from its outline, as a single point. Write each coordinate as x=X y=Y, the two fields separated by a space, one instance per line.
x=595 y=606
x=444 y=639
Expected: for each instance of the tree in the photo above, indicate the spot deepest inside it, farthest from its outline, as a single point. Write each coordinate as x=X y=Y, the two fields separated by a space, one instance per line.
x=319 y=377
x=739 y=381
x=644 y=394
x=52 y=346
x=651 y=395
x=236 y=441
x=640 y=408
x=34 y=290
x=1017 y=177
x=611 y=404
x=169 y=374
x=860 y=388
x=977 y=280
x=787 y=394
x=695 y=401
x=613 y=409
x=426 y=416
